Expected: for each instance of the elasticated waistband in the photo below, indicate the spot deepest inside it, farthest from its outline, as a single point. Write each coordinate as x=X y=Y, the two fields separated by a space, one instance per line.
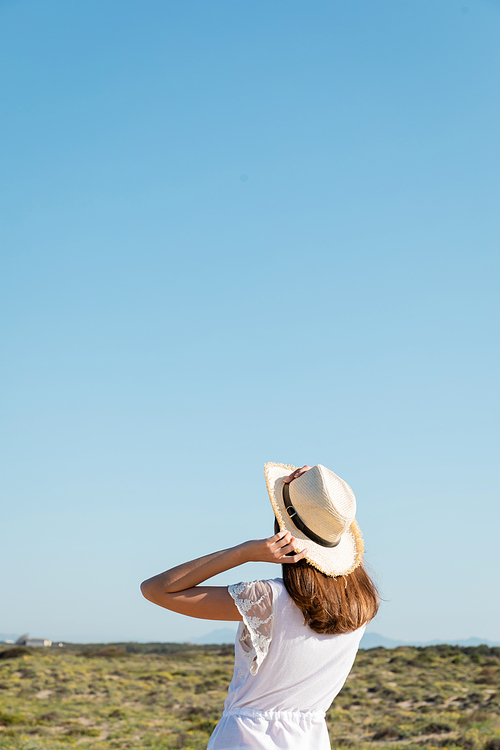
x=273 y=715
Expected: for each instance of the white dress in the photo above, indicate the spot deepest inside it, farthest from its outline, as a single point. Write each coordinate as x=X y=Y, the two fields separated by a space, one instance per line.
x=285 y=674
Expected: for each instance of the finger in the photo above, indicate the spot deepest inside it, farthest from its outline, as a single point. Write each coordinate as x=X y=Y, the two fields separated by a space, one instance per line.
x=275 y=541
x=295 y=558
x=279 y=540
x=291 y=547
x=282 y=534
x=278 y=536
x=285 y=539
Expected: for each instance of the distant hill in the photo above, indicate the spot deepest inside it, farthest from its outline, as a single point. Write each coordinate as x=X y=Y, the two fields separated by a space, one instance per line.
x=375 y=640
x=369 y=640
x=224 y=635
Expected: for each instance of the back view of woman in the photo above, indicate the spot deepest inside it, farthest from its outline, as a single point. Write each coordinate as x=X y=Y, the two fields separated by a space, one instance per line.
x=299 y=635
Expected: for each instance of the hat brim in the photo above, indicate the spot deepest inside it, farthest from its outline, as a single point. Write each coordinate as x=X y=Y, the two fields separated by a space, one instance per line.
x=336 y=561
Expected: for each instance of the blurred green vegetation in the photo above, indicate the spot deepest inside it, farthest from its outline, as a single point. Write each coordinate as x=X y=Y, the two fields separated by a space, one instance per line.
x=166 y=696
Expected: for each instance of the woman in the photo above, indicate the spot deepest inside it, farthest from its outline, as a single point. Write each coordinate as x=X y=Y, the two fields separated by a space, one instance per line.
x=300 y=634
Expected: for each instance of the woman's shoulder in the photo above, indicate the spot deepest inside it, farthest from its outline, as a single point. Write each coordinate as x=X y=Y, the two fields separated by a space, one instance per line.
x=257 y=592
x=276 y=585
x=266 y=592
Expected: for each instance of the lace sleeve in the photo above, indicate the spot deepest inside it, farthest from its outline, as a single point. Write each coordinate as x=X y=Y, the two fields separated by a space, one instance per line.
x=255 y=605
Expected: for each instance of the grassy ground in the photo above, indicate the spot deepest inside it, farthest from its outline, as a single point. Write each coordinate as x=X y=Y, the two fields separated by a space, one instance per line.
x=172 y=697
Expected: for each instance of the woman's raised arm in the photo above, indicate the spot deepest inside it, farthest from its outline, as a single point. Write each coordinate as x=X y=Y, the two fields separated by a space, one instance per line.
x=177 y=589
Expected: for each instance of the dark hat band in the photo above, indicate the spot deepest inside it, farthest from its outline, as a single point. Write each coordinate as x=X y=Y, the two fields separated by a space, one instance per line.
x=299 y=523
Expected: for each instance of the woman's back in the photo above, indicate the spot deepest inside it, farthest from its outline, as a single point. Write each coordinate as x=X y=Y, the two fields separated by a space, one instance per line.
x=299 y=636
x=284 y=672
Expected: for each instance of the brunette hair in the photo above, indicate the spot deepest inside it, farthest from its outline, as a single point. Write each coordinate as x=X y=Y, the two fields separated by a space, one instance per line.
x=330 y=605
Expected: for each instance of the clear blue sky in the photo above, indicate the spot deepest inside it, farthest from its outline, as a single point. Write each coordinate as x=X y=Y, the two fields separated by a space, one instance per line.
x=243 y=232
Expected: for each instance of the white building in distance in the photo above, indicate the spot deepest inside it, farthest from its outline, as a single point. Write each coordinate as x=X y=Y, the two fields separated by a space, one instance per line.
x=24 y=640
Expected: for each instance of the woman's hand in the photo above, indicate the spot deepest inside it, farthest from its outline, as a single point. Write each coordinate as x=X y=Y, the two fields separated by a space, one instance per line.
x=275 y=549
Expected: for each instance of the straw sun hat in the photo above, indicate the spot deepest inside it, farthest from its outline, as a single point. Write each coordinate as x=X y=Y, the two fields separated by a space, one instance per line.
x=318 y=509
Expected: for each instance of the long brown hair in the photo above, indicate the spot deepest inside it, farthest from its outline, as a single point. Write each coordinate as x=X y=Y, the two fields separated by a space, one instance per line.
x=331 y=605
